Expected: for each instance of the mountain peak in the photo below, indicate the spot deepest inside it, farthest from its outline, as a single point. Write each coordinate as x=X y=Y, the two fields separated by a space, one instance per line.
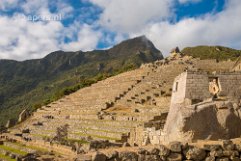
x=137 y=44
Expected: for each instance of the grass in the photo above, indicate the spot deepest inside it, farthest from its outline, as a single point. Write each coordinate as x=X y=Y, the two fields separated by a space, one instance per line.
x=7 y=158
x=31 y=147
x=16 y=151
x=115 y=132
x=77 y=140
x=80 y=134
x=41 y=135
x=212 y=52
x=69 y=139
x=97 y=136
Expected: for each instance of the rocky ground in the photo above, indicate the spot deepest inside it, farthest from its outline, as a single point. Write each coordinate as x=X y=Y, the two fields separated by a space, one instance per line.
x=224 y=150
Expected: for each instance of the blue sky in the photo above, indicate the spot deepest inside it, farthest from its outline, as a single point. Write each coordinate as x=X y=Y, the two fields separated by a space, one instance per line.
x=33 y=28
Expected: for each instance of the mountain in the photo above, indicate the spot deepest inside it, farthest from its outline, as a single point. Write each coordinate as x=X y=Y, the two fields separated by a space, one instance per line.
x=212 y=52
x=32 y=83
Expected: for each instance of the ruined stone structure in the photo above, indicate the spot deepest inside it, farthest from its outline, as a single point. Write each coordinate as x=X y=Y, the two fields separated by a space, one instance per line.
x=109 y=109
x=131 y=107
x=237 y=65
x=10 y=123
x=23 y=115
x=221 y=151
x=193 y=87
x=194 y=114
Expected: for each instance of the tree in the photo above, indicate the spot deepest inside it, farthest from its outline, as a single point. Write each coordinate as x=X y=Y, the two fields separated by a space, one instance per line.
x=61 y=133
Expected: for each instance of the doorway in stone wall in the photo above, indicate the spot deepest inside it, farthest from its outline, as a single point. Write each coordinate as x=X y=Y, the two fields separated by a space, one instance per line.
x=214 y=87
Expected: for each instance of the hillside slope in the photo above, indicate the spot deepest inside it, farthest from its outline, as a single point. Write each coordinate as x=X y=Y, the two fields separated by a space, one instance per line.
x=32 y=83
x=212 y=52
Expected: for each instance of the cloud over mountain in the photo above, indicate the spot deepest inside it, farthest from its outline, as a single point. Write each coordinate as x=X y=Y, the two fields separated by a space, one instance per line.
x=90 y=24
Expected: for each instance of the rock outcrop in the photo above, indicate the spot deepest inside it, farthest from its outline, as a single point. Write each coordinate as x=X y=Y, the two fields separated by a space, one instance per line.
x=207 y=120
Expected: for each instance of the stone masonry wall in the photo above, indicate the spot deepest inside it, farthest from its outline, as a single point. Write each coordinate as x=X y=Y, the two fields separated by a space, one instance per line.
x=197 y=86
x=194 y=86
x=237 y=68
x=223 y=151
x=230 y=84
x=179 y=88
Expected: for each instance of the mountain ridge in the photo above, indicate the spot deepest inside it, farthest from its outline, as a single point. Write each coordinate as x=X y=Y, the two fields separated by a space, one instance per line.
x=212 y=52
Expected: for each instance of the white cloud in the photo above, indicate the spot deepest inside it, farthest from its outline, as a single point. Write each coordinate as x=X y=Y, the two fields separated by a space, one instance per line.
x=23 y=39
x=223 y=28
x=42 y=8
x=87 y=38
x=7 y=4
x=128 y=16
x=151 y=17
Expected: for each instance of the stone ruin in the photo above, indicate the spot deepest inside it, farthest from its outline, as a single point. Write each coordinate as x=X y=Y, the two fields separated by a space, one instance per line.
x=193 y=87
x=133 y=107
x=23 y=115
x=237 y=66
x=197 y=112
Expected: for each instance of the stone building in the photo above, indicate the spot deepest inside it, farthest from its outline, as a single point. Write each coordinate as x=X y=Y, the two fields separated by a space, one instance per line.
x=193 y=87
x=237 y=65
x=194 y=114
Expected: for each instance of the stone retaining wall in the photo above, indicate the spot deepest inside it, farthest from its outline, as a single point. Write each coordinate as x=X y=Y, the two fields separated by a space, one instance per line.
x=175 y=151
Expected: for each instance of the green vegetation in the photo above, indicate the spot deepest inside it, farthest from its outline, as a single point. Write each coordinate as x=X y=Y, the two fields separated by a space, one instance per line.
x=10 y=149
x=77 y=140
x=96 y=136
x=61 y=133
x=31 y=147
x=7 y=158
x=33 y=83
x=212 y=52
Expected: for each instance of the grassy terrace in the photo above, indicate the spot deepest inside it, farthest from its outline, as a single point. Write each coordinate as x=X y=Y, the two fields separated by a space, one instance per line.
x=101 y=122
x=86 y=129
x=7 y=158
x=13 y=150
x=69 y=139
x=79 y=134
x=31 y=147
x=97 y=136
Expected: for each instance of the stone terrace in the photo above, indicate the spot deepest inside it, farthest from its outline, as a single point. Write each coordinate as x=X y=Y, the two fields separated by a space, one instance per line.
x=111 y=108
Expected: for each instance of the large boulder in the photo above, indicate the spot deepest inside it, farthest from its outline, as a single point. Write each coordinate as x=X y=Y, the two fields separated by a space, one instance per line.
x=196 y=154
x=205 y=121
x=128 y=156
x=99 y=157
